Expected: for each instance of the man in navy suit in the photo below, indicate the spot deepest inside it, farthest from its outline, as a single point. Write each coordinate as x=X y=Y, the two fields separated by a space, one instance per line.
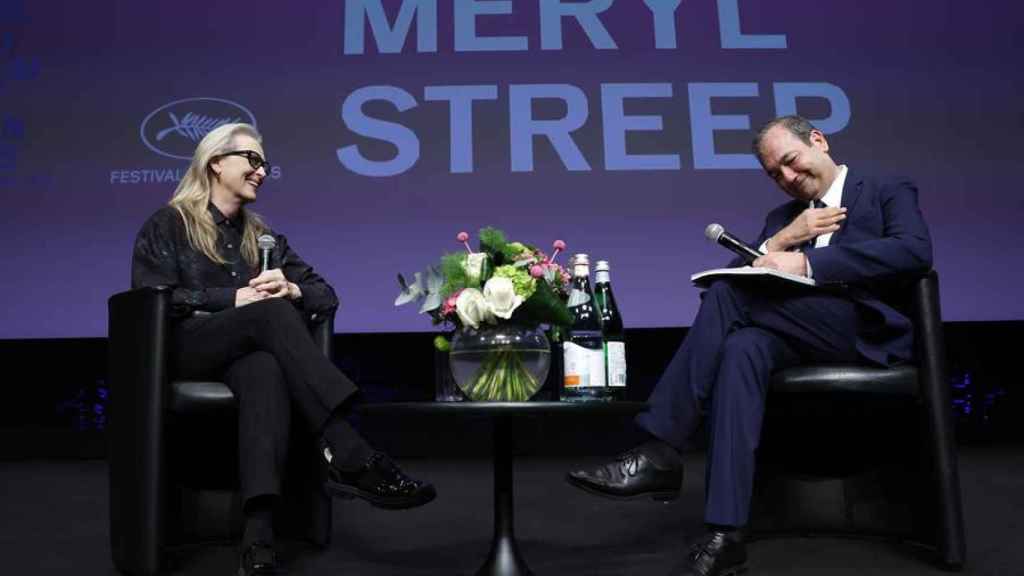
x=861 y=234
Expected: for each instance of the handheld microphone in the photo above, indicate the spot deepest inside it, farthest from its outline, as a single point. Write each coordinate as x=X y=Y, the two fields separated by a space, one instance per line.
x=716 y=233
x=266 y=244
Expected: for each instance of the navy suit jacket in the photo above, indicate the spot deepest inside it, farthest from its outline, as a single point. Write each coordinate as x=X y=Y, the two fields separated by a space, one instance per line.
x=879 y=248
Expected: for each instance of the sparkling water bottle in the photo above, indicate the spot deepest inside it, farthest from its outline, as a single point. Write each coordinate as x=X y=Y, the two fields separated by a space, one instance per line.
x=583 y=349
x=614 y=333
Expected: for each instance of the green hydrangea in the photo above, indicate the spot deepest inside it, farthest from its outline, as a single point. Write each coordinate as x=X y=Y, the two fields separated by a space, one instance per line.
x=525 y=285
x=513 y=250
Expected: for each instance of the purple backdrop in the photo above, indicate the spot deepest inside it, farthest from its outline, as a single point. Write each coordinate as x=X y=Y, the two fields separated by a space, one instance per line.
x=87 y=88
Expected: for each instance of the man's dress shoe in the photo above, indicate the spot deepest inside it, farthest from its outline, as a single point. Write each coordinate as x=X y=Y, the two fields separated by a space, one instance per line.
x=380 y=482
x=258 y=559
x=717 y=554
x=638 y=473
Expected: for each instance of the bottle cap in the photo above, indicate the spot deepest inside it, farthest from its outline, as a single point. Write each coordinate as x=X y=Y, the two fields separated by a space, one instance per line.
x=581 y=260
x=601 y=266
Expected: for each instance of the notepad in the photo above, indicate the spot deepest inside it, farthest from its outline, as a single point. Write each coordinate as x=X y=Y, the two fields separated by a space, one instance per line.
x=767 y=275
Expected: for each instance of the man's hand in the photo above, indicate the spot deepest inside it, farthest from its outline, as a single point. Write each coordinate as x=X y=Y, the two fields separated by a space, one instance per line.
x=810 y=224
x=791 y=262
x=273 y=284
x=247 y=295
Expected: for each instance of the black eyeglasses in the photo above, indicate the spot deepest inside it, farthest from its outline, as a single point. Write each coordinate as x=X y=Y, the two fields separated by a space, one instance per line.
x=255 y=160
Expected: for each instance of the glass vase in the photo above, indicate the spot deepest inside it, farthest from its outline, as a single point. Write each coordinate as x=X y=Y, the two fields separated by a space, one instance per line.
x=500 y=363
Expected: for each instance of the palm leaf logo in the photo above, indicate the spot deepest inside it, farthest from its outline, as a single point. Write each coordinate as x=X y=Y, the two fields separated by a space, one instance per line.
x=192 y=126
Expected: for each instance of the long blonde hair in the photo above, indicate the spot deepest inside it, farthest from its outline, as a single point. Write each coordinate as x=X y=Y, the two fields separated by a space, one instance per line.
x=193 y=196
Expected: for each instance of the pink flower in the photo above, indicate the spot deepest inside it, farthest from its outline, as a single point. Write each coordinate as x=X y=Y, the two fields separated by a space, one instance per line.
x=463 y=237
x=558 y=245
x=537 y=271
x=449 y=304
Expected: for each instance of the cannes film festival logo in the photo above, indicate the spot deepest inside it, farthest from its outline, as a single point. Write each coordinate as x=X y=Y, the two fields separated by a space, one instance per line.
x=174 y=129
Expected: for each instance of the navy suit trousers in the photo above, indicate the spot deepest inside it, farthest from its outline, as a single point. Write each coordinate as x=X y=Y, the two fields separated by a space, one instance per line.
x=740 y=336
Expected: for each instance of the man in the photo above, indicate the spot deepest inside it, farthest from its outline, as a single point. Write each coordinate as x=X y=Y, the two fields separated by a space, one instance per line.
x=862 y=234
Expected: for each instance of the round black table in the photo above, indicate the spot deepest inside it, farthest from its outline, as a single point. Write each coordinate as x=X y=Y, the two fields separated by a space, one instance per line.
x=504 y=558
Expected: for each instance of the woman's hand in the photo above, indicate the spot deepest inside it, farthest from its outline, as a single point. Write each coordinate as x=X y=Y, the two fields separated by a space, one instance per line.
x=247 y=295
x=273 y=284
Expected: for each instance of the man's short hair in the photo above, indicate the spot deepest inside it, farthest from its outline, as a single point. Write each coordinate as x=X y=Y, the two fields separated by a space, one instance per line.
x=797 y=126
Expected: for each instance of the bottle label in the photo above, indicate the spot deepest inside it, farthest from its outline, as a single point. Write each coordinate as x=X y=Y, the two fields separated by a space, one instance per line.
x=616 y=364
x=577 y=298
x=584 y=367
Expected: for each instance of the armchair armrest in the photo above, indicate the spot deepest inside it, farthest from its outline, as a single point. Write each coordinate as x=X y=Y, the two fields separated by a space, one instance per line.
x=935 y=396
x=138 y=333
x=929 y=337
x=321 y=327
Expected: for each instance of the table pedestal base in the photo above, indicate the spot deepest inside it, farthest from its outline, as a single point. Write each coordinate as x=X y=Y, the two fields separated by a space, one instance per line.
x=504 y=559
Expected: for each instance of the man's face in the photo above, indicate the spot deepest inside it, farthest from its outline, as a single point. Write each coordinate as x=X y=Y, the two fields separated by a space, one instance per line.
x=803 y=171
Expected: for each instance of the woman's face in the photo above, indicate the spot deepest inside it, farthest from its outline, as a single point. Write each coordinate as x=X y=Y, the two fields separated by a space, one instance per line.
x=236 y=178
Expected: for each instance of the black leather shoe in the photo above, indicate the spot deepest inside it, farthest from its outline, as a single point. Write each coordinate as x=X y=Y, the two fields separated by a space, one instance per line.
x=381 y=483
x=258 y=559
x=717 y=554
x=637 y=473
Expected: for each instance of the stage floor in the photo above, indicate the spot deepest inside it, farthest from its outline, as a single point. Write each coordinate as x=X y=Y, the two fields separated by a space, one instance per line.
x=55 y=522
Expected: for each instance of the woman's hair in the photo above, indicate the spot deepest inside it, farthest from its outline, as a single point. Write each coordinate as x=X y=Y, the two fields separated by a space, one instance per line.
x=192 y=196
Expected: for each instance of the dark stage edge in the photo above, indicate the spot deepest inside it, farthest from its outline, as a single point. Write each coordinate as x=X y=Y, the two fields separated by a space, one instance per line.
x=55 y=522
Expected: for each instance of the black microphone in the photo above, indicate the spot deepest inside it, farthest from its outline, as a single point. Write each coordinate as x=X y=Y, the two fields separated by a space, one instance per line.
x=716 y=233
x=266 y=244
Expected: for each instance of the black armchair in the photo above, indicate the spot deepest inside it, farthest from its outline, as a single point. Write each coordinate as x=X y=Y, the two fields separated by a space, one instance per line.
x=895 y=480
x=160 y=471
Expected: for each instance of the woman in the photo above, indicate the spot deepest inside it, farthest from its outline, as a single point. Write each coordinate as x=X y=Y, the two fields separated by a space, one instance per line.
x=249 y=329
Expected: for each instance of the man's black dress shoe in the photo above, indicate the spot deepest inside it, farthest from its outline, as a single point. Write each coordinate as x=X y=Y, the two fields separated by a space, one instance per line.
x=717 y=554
x=259 y=559
x=644 y=471
x=380 y=482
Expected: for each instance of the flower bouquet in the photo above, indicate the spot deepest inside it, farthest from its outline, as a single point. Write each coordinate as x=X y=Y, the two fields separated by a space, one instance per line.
x=495 y=301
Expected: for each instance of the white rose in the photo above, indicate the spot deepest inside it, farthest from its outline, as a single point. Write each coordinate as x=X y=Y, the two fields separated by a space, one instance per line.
x=474 y=266
x=501 y=297
x=472 y=308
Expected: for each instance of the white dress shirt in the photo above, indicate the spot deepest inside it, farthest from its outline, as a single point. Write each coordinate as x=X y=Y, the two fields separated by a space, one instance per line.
x=833 y=198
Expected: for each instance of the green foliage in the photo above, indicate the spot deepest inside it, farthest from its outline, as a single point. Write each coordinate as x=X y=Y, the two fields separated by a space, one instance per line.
x=454 y=271
x=493 y=242
x=514 y=249
x=544 y=307
x=426 y=287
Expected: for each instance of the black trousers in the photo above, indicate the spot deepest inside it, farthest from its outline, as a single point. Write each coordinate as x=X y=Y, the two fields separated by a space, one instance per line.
x=266 y=355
